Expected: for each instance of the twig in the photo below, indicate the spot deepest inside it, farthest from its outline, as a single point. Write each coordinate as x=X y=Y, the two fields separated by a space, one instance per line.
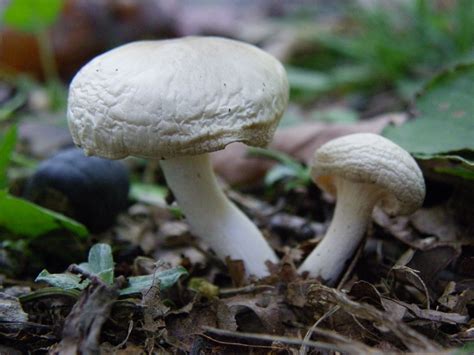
x=246 y=289
x=236 y=344
x=358 y=322
x=355 y=346
x=309 y=333
x=76 y=269
x=413 y=340
x=284 y=340
x=124 y=341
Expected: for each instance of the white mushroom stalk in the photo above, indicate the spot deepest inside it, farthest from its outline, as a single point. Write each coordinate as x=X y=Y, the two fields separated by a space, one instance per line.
x=353 y=213
x=363 y=170
x=212 y=217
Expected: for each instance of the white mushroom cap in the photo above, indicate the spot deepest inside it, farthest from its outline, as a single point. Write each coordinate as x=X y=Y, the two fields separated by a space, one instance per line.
x=370 y=158
x=176 y=97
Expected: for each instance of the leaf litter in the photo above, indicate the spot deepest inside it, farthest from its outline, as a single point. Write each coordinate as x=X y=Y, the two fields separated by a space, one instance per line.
x=419 y=298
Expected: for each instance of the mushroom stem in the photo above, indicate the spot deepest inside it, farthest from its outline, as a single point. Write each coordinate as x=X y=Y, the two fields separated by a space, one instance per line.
x=355 y=202
x=212 y=217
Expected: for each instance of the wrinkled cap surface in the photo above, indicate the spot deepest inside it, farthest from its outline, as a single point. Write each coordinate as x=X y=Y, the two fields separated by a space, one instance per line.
x=370 y=158
x=176 y=97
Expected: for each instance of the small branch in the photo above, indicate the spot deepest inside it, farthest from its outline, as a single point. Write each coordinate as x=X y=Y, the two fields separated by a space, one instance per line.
x=246 y=289
x=281 y=339
x=75 y=269
x=307 y=337
x=229 y=343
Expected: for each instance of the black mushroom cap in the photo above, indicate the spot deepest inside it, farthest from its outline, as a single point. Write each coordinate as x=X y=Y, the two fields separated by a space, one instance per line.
x=94 y=189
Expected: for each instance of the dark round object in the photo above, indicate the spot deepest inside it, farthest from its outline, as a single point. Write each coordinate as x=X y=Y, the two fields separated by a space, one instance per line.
x=90 y=189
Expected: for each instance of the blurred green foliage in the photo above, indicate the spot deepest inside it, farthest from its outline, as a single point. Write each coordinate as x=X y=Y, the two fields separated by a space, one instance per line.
x=394 y=44
x=19 y=216
x=32 y=15
x=12 y=105
x=418 y=38
x=288 y=171
x=444 y=127
x=24 y=218
x=153 y=194
x=36 y=17
x=7 y=146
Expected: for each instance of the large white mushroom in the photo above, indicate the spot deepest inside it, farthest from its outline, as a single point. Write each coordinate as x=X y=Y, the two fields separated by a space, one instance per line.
x=178 y=100
x=363 y=170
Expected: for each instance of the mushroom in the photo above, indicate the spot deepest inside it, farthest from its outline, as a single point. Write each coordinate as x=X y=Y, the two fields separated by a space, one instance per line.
x=364 y=170
x=178 y=100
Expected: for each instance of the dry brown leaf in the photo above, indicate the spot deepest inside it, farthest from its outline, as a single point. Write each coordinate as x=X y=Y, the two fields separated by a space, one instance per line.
x=429 y=263
x=456 y=298
x=416 y=313
x=264 y=312
x=11 y=310
x=363 y=291
x=84 y=323
x=437 y=221
x=183 y=325
x=413 y=340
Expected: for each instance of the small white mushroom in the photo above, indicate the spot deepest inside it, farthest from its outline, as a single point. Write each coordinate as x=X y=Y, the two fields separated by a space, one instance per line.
x=178 y=100
x=363 y=170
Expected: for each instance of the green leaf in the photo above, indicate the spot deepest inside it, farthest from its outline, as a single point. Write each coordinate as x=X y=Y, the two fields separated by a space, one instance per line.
x=289 y=169
x=148 y=193
x=445 y=123
x=65 y=281
x=153 y=195
x=308 y=80
x=280 y=157
x=7 y=145
x=165 y=279
x=32 y=15
x=12 y=105
x=278 y=173
x=204 y=287
x=27 y=219
x=335 y=115
x=100 y=262
x=459 y=171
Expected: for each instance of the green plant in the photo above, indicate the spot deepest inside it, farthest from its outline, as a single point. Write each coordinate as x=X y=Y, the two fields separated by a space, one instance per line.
x=101 y=264
x=414 y=38
x=443 y=130
x=394 y=44
x=7 y=146
x=36 y=17
x=291 y=172
x=20 y=217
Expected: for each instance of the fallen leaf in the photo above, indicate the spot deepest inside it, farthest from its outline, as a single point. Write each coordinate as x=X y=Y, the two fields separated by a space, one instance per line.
x=11 y=310
x=435 y=316
x=437 y=221
x=456 y=298
x=183 y=325
x=83 y=325
x=264 y=312
x=413 y=340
